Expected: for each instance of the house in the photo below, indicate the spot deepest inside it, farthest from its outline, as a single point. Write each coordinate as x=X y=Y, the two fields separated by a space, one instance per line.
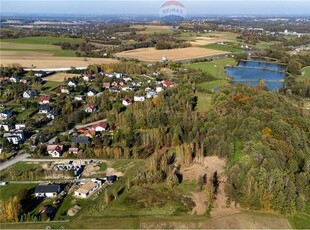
x=127 y=101
x=4 y=79
x=5 y=114
x=24 y=80
x=50 y=190
x=20 y=126
x=87 y=77
x=127 y=79
x=15 y=136
x=87 y=189
x=151 y=94
x=118 y=75
x=4 y=126
x=106 y=85
x=55 y=150
x=29 y=94
x=14 y=79
x=139 y=98
x=100 y=127
x=91 y=93
x=90 y=133
x=44 y=109
x=72 y=83
x=52 y=115
x=79 y=98
x=127 y=88
x=40 y=74
x=117 y=82
x=91 y=108
x=44 y=100
x=164 y=59
x=73 y=150
x=159 y=89
x=114 y=89
x=168 y=84
x=80 y=140
x=65 y=90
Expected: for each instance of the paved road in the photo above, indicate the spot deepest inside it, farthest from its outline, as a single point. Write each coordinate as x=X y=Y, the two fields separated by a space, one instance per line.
x=51 y=141
x=16 y=159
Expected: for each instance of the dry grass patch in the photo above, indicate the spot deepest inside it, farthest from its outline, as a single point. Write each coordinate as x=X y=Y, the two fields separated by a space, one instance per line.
x=153 y=55
x=60 y=77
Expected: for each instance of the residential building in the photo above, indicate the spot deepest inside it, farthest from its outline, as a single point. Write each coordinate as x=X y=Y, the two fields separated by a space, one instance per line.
x=55 y=150
x=87 y=189
x=5 y=114
x=50 y=190
x=29 y=94
x=44 y=100
x=44 y=109
x=139 y=98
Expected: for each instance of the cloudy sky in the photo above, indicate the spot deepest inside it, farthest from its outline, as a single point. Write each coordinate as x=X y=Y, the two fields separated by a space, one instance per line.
x=142 y=7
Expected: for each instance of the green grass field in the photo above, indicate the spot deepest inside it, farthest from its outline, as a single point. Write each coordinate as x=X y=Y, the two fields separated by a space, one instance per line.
x=211 y=85
x=51 y=85
x=25 y=114
x=22 y=171
x=225 y=47
x=301 y=220
x=204 y=102
x=39 y=44
x=306 y=73
x=10 y=190
x=215 y=68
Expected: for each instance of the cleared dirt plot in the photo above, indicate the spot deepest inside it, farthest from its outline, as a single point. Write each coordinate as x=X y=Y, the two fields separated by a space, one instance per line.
x=153 y=55
x=60 y=77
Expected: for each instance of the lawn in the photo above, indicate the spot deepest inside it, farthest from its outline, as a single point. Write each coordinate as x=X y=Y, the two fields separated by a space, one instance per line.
x=211 y=85
x=103 y=167
x=301 y=220
x=215 y=68
x=11 y=190
x=26 y=114
x=22 y=171
x=51 y=85
x=306 y=73
x=225 y=47
x=204 y=102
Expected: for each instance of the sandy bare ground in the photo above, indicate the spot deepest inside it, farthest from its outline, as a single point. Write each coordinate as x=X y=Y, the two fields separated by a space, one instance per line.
x=209 y=166
x=60 y=77
x=46 y=60
x=153 y=55
x=244 y=220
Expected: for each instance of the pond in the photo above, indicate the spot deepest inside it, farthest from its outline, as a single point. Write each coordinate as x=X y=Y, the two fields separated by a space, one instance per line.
x=250 y=72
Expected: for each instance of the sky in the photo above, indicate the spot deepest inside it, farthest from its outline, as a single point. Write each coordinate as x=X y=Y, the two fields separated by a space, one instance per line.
x=143 y=7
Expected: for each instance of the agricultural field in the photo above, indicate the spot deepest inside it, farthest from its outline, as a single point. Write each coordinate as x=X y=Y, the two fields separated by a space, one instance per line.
x=153 y=55
x=210 y=38
x=38 y=52
x=150 y=29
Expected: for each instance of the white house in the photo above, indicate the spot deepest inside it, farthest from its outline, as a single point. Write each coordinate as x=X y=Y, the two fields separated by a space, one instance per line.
x=87 y=77
x=40 y=74
x=72 y=83
x=126 y=101
x=159 y=89
x=20 y=126
x=14 y=79
x=15 y=136
x=79 y=98
x=29 y=94
x=151 y=94
x=91 y=93
x=52 y=115
x=139 y=98
x=55 y=150
x=5 y=114
x=65 y=91
x=4 y=126
x=50 y=190
x=87 y=189
x=100 y=127
x=91 y=108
